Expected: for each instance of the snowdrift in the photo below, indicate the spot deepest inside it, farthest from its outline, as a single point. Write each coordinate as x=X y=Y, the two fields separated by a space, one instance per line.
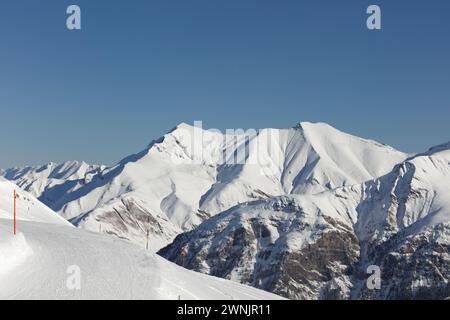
x=14 y=251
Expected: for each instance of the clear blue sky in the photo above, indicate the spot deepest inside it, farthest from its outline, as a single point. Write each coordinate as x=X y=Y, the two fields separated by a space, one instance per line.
x=138 y=68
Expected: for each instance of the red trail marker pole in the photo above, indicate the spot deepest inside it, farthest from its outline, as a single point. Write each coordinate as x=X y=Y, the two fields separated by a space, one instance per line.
x=15 y=212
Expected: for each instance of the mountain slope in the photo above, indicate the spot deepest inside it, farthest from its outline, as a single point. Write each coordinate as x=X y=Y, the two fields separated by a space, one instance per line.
x=40 y=261
x=192 y=174
x=307 y=159
x=319 y=246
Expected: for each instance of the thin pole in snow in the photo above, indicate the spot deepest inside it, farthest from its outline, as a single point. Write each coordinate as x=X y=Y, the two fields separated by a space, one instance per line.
x=148 y=232
x=15 y=212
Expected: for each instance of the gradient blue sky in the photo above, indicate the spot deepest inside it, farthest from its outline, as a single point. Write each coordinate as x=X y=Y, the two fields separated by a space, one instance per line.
x=138 y=68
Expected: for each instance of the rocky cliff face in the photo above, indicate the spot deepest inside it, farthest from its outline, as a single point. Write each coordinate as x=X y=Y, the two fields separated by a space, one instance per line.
x=413 y=267
x=280 y=246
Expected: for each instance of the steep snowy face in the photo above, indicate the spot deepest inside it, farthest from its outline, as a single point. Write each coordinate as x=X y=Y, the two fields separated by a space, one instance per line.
x=319 y=246
x=414 y=196
x=28 y=208
x=323 y=158
x=192 y=174
x=308 y=159
x=51 y=181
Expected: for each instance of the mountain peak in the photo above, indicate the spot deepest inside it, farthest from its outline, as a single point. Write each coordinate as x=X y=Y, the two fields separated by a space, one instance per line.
x=182 y=126
x=305 y=124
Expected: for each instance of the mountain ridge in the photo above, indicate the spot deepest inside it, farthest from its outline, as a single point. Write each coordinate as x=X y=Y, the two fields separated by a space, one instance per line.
x=190 y=174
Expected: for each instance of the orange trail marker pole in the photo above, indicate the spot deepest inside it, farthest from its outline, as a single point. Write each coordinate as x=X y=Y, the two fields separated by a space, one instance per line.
x=15 y=213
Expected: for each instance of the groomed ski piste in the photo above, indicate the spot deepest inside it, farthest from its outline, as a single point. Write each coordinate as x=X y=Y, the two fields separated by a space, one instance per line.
x=50 y=259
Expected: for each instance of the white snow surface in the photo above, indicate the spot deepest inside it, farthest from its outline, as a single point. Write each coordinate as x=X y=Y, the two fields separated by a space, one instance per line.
x=14 y=251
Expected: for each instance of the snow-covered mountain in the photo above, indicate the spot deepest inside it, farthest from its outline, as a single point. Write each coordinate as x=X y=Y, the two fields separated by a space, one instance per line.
x=51 y=181
x=320 y=246
x=43 y=260
x=191 y=174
